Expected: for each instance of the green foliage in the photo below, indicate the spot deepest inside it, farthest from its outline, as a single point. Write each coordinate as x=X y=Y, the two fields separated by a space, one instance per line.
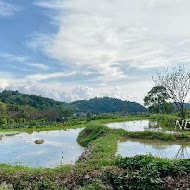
x=165 y=167
x=95 y=184
x=38 y=102
x=156 y=100
x=16 y=99
x=166 y=120
x=154 y=135
x=44 y=184
x=107 y=105
x=91 y=133
x=103 y=149
x=100 y=169
x=146 y=178
x=21 y=110
x=3 y=188
x=145 y=172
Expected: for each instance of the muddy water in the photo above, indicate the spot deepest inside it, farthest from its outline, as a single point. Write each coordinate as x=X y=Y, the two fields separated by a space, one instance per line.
x=59 y=147
x=165 y=149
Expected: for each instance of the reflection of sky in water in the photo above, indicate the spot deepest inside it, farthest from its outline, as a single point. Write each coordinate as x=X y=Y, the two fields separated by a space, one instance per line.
x=157 y=148
x=59 y=146
x=141 y=125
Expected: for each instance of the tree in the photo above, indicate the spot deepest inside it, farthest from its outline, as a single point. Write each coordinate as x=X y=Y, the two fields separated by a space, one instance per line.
x=156 y=100
x=51 y=114
x=176 y=81
x=125 y=107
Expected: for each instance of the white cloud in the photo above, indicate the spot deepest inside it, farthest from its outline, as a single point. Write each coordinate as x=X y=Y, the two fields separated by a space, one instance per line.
x=106 y=34
x=102 y=40
x=44 y=76
x=23 y=59
x=7 y=9
x=11 y=57
x=39 y=65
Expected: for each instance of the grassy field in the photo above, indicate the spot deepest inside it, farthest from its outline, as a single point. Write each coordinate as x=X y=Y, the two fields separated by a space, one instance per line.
x=99 y=168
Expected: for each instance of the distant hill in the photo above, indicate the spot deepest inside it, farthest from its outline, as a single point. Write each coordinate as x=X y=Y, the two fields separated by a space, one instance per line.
x=31 y=107
x=38 y=102
x=94 y=106
x=107 y=105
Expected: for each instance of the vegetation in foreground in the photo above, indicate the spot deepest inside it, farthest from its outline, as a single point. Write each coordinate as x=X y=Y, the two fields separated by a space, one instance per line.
x=140 y=172
x=99 y=168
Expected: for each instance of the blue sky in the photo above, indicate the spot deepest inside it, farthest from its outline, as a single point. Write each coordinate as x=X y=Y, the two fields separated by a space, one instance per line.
x=79 y=49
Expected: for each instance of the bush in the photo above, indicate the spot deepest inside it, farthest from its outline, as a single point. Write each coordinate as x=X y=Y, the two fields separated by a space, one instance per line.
x=94 y=185
x=166 y=120
x=146 y=178
x=145 y=172
x=44 y=184
x=164 y=166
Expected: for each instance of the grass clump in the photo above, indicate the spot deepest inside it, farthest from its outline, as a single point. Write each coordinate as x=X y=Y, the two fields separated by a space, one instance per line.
x=157 y=135
x=91 y=133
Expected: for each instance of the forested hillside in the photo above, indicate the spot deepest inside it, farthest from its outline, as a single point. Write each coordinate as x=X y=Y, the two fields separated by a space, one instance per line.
x=107 y=105
x=95 y=105
x=17 y=108
x=39 y=102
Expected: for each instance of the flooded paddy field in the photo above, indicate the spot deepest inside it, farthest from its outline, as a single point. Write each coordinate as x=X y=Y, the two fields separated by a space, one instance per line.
x=58 y=147
x=164 y=149
x=138 y=126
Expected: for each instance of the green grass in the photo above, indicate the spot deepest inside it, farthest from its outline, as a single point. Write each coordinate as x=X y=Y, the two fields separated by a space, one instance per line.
x=91 y=133
x=158 y=136
x=101 y=169
x=102 y=151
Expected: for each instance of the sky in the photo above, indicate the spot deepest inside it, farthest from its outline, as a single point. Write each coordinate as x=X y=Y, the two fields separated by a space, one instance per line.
x=79 y=49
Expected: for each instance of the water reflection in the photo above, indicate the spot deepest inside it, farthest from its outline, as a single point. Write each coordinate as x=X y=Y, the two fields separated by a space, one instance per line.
x=59 y=147
x=133 y=126
x=183 y=153
x=11 y=133
x=133 y=147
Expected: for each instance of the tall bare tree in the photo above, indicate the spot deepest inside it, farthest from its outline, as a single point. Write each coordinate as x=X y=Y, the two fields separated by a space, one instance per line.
x=176 y=81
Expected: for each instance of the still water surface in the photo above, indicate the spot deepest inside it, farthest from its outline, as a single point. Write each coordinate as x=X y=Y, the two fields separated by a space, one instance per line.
x=59 y=147
x=134 y=126
x=165 y=149
x=133 y=147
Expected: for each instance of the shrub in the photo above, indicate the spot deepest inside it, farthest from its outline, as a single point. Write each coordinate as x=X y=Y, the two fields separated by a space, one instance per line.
x=166 y=120
x=145 y=172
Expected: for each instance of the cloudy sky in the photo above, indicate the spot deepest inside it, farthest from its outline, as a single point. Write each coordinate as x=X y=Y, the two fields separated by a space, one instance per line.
x=79 y=49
